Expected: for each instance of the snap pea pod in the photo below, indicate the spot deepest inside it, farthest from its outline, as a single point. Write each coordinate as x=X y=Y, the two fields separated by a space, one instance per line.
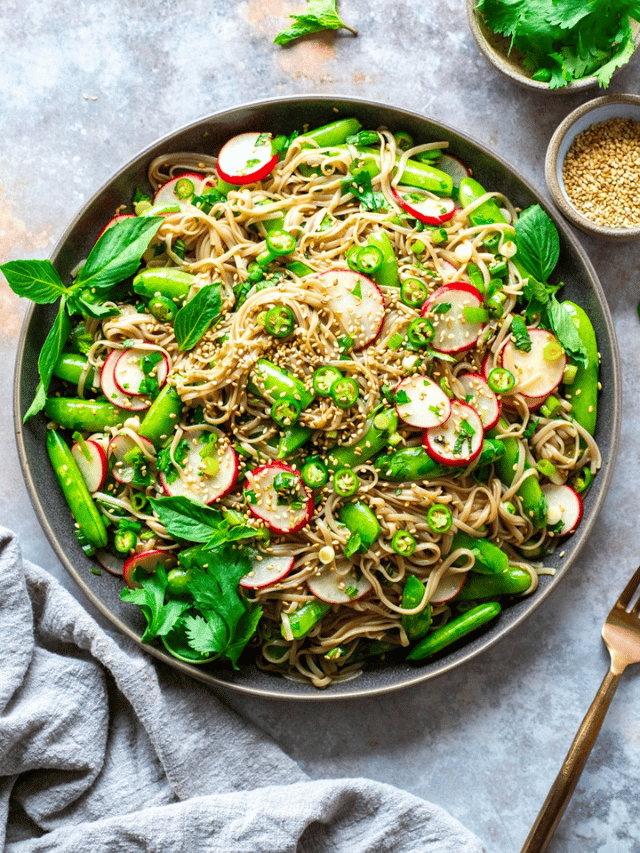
x=273 y=383
x=74 y=489
x=382 y=426
x=71 y=366
x=454 y=630
x=415 y=624
x=583 y=391
x=489 y=558
x=171 y=282
x=292 y=438
x=513 y=581
x=414 y=463
x=415 y=174
x=387 y=274
x=534 y=503
x=360 y=519
x=302 y=620
x=84 y=415
x=334 y=133
x=160 y=420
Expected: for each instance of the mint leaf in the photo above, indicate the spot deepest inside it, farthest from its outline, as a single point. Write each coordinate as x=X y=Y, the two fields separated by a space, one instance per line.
x=195 y=317
x=36 y=280
x=537 y=241
x=319 y=15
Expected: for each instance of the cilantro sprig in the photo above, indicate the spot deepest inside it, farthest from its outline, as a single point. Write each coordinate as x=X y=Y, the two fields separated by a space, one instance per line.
x=319 y=15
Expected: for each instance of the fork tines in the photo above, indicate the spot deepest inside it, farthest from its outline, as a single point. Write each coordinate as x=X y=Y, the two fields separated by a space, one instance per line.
x=629 y=590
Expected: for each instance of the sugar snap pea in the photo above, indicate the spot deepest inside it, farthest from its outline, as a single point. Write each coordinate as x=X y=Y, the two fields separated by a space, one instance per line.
x=302 y=620
x=534 y=503
x=84 y=415
x=414 y=463
x=171 y=282
x=381 y=427
x=513 y=581
x=489 y=558
x=415 y=624
x=74 y=489
x=162 y=416
x=387 y=274
x=454 y=630
x=334 y=133
x=583 y=392
x=71 y=366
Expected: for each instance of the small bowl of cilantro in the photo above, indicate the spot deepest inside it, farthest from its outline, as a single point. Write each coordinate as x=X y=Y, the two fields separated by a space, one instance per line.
x=555 y=45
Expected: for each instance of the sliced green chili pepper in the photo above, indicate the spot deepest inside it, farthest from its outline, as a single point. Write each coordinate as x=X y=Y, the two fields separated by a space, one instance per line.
x=279 y=321
x=162 y=308
x=280 y=242
x=501 y=380
x=302 y=620
x=582 y=480
x=315 y=473
x=513 y=581
x=387 y=274
x=413 y=292
x=403 y=543
x=124 y=540
x=439 y=518
x=454 y=630
x=345 y=482
x=415 y=624
x=323 y=379
x=420 y=332
x=404 y=140
x=369 y=259
x=285 y=412
x=352 y=257
x=345 y=392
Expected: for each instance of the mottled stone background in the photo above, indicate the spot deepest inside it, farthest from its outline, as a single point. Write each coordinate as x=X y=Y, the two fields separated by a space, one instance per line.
x=83 y=86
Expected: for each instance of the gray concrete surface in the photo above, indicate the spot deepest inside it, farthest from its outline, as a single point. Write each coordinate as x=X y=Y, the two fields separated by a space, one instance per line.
x=83 y=86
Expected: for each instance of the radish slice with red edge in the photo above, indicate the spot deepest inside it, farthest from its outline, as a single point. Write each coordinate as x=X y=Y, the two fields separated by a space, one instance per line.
x=539 y=371
x=121 y=446
x=420 y=402
x=92 y=463
x=114 y=221
x=267 y=569
x=424 y=206
x=112 y=564
x=263 y=499
x=459 y=440
x=448 y=587
x=129 y=374
x=333 y=588
x=357 y=303
x=246 y=158
x=113 y=393
x=454 y=332
x=564 y=508
x=209 y=470
x=147 y=561
x=181 y=189
x=478 y=395
x=453 y=167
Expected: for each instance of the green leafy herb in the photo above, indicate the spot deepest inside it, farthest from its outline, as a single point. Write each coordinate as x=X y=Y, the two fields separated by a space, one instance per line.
x=562 y=325
x=537 y=241
x=520 y=334
x=196 y=522
x=36 y=280
x=195 y=317
x=402 y=397
x=319 y=15
x=357 y=290
x=441 y=308
x=465 y=434
x=565 y=41
x=360 y=187
x=49 y=355
x=150 y=597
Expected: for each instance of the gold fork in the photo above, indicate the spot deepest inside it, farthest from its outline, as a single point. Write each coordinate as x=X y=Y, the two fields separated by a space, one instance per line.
x=621 y=634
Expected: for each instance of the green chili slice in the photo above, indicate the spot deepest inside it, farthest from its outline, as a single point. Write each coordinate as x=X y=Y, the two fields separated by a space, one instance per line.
x=403 y=543
x=582 y=480
x=352 y=257
x=315 y=474
x=323 y=379
x=439 y=518
x=285 y=412
x=501 y=380
x=184 y=189
x=420 y=332
x=345 y=482
x=404 y=140
x=279 y=321
x=413 y=292
x=280 y=242
x=369 y=259
x=345 y=392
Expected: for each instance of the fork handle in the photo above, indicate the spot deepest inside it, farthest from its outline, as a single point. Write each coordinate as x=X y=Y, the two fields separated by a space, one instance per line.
x=567 y=778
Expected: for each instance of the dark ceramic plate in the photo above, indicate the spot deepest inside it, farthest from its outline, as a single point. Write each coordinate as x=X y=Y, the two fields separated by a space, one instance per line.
x=206 y=136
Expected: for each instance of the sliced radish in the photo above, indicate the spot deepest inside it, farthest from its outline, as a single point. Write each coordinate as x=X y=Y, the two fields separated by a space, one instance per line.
x=333 y=588
x=478 y=394
x=120 y=447
x=114 y=565
x=128 y=373
x=210 y=468
x=454 y=332
x=262 y=499
x=539 y=371
x=424 y=206
x=246 y=158
x=181 y=189
x=453 y=167
x=357 y=303
x=113 y=393
x=114 y=221
x=267 y=569
x=564 y=508
x=420 y=402
x=92 y=462
x=147 y=561
x=459 y=440
x=448 y=587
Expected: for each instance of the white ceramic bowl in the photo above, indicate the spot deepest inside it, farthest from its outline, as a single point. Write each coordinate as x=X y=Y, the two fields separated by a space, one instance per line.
x=593 y=112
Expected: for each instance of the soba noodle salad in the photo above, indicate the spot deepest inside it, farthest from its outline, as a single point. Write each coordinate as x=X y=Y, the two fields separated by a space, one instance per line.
x=317 y=401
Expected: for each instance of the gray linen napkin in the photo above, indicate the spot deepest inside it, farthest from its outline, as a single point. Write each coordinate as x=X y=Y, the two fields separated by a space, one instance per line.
x=102 y=748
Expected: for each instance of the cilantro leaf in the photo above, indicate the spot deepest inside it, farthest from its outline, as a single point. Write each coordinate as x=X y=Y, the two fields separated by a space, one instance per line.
x=538 y=242
x=360 y=187
x=150 y=597
x=319 y=15
x=520 y=334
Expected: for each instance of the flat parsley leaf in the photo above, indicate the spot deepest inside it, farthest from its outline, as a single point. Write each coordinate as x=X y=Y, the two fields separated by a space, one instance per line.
x=150 y=597
x=319 y=15
x=360 y=186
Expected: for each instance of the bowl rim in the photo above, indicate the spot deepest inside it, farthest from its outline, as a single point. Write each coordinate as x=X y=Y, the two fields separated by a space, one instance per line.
x=552 y=167
x=484 y=39
x=418 y=675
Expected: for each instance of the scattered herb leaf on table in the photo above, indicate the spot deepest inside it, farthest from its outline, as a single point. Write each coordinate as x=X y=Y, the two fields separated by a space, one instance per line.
x=319 y=15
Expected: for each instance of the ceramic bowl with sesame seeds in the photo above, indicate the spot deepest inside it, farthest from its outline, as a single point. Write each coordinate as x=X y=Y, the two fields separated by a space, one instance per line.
x=592 y=167
x=498 y=51
x=206 y=136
